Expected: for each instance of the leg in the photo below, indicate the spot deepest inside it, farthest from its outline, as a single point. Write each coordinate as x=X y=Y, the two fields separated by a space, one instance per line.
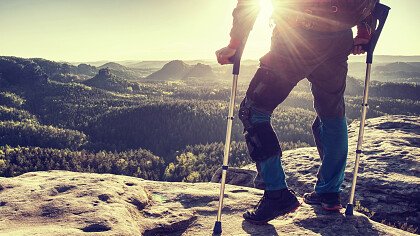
x=328 y=83
x=330 y=126
x=289 y=61
x=265 y=92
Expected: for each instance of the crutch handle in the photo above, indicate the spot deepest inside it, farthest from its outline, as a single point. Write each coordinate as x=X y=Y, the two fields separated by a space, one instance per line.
x=236 y=59
x=380 y=13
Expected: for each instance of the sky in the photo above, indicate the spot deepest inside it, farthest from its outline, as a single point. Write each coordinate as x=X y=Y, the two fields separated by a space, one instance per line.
x=93 y=30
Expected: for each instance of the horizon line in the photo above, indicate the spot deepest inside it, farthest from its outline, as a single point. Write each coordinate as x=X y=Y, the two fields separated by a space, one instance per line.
x=202 y=59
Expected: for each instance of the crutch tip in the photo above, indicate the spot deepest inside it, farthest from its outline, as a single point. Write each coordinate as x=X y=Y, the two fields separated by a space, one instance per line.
x=217 y=230
x=349 y=210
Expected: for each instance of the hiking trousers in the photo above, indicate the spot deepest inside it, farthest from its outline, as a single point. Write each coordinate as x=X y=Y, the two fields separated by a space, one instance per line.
x=296 y=55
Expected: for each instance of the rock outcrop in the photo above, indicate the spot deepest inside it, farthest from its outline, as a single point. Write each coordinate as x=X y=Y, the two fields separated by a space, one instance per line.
x=106 y=80
x=171 y=70
x=179 y=70
x=199 y=70
x=86 y=69
x=113 y=66
x=70 y=203
x=121 y=71
x=388 y=185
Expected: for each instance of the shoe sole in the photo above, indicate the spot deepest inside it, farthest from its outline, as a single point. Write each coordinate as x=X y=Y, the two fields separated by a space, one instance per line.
x=331 y=208
x=311 y=202
x=291 y=209
x=324 y=206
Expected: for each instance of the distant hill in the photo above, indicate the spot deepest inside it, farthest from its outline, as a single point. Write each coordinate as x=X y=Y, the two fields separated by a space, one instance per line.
x=87 y=69
x=19 y=71
x=417 y=64
x=93 y=63
x=113 y=66
x=108 y=81
x=121 y=71
x=360 y=58
x=398 y=66
x=146 y=64
x=160 y=64
x=57 y=70
x=377 y=89
x=16 y=69
x=199 y=70
x=397 y=72
x=385 y=58
x=180 y=70
x=172 y=70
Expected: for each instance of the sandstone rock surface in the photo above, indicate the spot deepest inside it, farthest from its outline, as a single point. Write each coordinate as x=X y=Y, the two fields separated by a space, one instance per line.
x=388 y=184
x=70 y=203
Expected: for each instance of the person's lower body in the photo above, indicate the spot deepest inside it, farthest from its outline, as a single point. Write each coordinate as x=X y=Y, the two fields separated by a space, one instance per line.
x=263 y=145
x=281 y=69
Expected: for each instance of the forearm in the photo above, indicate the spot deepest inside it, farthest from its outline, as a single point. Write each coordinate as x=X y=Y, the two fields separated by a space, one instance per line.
x=244 y=16
x=366 y=28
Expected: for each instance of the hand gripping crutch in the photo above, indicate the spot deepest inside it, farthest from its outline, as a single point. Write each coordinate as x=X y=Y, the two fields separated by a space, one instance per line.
x=380 y=13
x=236 y=59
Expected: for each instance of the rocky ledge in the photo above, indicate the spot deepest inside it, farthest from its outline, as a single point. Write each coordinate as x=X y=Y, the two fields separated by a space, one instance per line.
x=70 y=203
x=388 y=184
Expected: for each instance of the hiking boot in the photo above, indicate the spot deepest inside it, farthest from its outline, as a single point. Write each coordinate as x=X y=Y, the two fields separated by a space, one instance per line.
x=273 y=204
x=328 y=201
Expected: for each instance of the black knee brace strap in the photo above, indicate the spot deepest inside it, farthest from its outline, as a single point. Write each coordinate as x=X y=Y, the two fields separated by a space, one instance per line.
x=260 y=138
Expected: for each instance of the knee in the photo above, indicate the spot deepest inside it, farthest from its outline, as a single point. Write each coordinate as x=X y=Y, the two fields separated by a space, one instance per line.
x=251 y=114
x=245 y=114
x=260 y=137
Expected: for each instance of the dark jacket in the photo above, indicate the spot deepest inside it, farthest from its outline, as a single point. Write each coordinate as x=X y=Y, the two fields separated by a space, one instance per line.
x=290 y=11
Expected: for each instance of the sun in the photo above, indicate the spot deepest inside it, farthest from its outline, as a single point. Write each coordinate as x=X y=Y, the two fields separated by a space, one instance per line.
x=266 y=8
x=260 y=38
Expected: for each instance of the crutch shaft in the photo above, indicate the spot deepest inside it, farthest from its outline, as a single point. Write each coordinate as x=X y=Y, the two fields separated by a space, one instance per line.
x=361 y=132
x=236 y=60
x=227 y=145
x=221 y=198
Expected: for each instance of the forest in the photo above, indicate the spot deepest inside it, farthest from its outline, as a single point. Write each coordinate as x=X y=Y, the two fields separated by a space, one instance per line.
x=121 y=120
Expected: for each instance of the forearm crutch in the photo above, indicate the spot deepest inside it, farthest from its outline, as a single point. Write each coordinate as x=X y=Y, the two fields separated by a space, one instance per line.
x=380 y=13
x=236 y=59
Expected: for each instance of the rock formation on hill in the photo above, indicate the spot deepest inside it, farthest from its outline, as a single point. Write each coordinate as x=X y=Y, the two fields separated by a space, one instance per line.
x=199 y=70
x=388 y=184
x=179 y=70
x=108 y=81
x=87 y=69
x=121 y=71
x=171 y=70
x=70 y=203
x=113 y=66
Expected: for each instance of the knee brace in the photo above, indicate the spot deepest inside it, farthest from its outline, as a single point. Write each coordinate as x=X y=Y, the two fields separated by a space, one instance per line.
x=260 y=138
